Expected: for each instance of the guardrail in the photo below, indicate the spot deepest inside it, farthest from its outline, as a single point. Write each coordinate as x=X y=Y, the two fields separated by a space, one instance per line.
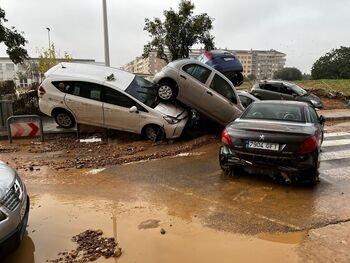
x=25 y=126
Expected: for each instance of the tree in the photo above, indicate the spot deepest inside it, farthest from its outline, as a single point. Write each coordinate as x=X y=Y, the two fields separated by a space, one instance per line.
x=51 y=57
x=179 y=32
x=13 y=40
x=333 y=65
x=288 y=74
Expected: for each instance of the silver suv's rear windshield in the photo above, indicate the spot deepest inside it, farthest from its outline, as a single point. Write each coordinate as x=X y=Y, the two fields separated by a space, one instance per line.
x=143 y=90
x=276 y=112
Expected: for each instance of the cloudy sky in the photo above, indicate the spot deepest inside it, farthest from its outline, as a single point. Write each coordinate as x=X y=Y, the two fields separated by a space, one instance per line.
x=304 y=30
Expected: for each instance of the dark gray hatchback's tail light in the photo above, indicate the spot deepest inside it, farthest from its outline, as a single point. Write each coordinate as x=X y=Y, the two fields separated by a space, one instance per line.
x=309 y=145
x=226 y=138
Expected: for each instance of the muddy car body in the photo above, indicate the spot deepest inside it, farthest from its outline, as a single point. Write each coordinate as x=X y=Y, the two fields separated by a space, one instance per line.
x=199 y=87
x=284 y=90
x=14 y=210
x=108 y=97
x=246 y=98
x=277 y=138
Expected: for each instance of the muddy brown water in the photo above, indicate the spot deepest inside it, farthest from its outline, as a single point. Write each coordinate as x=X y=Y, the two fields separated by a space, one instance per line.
x=54 y=219
x=207 y=216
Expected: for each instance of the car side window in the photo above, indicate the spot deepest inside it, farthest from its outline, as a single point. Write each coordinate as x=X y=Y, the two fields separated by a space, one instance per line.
x=245 y=100
x=198 y=72
x=115 y=97
x=82 y=89
x=270 y=87
x=313 y=115
x=286 y=90
x=222 y=87
x=64 y=86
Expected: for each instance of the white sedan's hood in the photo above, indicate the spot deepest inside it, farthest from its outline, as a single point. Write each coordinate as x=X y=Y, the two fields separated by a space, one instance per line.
x=7 y=178
x=171 y=110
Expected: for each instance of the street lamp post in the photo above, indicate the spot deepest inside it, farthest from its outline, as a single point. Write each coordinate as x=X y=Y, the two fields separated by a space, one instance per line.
x=48 y=33
x=105 y=27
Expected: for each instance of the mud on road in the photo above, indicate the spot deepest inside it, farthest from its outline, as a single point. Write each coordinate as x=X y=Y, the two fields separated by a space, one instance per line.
x=66 y=151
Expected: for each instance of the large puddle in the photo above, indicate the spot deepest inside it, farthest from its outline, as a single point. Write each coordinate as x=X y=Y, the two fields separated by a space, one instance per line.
x=54 y=219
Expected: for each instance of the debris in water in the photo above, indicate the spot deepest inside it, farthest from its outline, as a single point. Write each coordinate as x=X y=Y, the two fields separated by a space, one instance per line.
x=91 y=246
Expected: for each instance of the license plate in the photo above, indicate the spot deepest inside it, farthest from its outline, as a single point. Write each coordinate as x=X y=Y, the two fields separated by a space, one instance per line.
x=263 y=145
x=23 y=208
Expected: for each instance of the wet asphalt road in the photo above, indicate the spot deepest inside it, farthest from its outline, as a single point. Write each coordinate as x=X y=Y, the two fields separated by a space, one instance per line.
x=208 y=216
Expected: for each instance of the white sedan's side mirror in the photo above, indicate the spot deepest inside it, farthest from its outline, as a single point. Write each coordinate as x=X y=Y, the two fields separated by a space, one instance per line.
x=133 y=109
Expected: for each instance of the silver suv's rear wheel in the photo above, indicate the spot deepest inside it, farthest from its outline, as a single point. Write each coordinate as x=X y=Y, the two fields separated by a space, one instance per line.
x=64 y=119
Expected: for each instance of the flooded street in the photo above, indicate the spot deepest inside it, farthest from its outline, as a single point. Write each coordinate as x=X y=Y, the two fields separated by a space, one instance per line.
x=206 y=216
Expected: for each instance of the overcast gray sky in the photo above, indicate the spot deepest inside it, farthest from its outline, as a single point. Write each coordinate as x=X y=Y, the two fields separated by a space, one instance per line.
x=303 y=29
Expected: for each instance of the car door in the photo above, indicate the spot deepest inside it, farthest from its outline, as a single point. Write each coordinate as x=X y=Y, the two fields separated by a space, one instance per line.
x=286 y=93
x=192 y=79
x=117 y=114
x=220 y=100
x=84 y=100
x=270 y=91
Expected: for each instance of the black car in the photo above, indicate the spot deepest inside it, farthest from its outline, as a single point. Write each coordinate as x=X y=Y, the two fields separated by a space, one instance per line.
x=284 y=90
x=224 y=62
x=276 y=138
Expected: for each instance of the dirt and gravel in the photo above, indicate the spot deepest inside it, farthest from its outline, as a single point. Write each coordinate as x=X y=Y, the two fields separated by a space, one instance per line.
x=91 y=246
x=65 y=151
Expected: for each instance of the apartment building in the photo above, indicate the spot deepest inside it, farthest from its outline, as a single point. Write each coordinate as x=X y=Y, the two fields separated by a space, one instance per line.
x=260 y=63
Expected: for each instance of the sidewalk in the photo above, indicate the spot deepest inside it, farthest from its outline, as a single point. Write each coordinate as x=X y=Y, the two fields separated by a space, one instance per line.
x=335 y=115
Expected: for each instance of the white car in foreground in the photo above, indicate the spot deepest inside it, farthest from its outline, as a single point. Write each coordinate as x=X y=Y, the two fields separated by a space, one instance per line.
x=108 y=97
x=14 y=210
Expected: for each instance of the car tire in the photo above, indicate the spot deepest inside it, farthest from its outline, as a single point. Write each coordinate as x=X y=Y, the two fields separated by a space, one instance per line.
x=154 y=132
x=231 y=171
x=64 y=119
x=166 y=91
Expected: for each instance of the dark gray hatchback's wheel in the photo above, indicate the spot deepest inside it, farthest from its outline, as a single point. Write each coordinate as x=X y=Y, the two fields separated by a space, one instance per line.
x=154 y=132
x=64 y=119
x=166 y=91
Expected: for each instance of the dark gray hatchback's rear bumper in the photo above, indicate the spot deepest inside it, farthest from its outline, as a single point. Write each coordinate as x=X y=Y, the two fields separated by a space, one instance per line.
x=269 y=165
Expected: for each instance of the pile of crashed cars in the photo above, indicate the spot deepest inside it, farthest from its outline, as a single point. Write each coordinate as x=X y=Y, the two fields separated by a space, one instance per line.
x=273 y=130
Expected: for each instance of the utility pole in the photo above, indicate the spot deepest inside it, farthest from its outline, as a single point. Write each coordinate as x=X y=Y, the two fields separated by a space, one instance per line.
x=105 y=27
x=48 y=33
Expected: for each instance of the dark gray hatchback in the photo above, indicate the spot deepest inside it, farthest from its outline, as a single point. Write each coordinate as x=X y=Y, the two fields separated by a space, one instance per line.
x=284 y=90
x=276 y=138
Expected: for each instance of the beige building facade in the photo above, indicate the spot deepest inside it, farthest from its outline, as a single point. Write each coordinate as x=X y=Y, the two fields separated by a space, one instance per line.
x=262 y=64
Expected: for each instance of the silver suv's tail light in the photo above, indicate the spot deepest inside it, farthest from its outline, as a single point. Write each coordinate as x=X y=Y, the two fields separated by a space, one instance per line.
x=41 y=91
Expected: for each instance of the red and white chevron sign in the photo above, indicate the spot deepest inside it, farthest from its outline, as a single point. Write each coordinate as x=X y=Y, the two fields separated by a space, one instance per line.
x=25 y=129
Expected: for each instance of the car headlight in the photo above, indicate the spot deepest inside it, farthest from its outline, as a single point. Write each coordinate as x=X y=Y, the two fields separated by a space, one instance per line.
x=171 y=120
x=314 y=102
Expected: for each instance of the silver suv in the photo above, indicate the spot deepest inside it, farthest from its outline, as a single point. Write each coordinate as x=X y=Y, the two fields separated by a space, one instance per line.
x=108 y=97
x=14 y=210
